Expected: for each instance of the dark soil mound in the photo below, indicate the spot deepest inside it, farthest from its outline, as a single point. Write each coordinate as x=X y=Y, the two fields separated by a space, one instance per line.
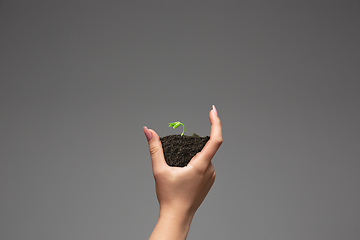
x=179 y=150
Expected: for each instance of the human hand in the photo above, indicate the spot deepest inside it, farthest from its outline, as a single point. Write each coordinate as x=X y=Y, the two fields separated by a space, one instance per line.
x=180 y=191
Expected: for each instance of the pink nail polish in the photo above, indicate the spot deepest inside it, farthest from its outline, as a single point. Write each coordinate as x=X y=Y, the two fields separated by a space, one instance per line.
x=147 y=133
x=214 y=109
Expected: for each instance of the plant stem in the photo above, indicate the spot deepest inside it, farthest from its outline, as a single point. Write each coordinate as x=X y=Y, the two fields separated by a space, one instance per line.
x=183 y=129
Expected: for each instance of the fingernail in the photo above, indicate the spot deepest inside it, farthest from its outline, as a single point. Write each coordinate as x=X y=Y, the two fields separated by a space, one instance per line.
x=214 y=109
x=147 y=133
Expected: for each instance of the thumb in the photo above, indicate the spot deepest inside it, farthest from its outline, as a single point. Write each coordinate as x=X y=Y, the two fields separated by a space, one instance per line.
x=156 y=150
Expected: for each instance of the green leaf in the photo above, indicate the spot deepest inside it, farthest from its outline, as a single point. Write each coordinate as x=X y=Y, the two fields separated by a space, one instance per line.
x=174 y=124
x=177 y=124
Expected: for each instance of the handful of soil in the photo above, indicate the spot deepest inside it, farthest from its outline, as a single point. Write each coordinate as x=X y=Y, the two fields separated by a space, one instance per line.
x=179 y=150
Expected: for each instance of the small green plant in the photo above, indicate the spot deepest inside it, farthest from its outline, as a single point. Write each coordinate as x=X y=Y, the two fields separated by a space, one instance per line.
x=176 y=124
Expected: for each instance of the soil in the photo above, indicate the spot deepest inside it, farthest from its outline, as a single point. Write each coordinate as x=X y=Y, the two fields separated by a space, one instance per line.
x=179 y=150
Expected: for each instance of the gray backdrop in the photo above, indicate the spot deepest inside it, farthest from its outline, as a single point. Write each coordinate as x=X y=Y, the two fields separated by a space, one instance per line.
x=79 y=80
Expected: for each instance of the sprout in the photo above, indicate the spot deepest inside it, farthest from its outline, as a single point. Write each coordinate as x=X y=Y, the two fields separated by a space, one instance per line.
x=176 y=124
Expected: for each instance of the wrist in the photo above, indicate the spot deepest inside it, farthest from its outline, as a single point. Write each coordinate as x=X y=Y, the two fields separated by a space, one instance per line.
x=176 y=215
x=172 y=224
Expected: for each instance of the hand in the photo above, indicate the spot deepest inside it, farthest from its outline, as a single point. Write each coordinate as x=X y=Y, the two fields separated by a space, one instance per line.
x=180 y=191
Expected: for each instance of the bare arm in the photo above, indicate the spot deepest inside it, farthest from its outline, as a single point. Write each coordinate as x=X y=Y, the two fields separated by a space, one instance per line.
x=180 y=191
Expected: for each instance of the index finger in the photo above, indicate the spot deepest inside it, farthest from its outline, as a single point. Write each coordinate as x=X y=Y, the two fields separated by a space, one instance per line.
x=216 y=139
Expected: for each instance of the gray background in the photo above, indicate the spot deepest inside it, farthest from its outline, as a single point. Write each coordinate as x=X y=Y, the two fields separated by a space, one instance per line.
x=79 y=80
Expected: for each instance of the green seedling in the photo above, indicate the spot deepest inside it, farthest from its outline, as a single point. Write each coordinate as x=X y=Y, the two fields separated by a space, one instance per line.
x=176 y=124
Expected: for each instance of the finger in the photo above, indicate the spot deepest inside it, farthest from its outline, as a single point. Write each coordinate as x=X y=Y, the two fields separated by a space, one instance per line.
x=216 y=139
x=156 y=150
x=203 y=159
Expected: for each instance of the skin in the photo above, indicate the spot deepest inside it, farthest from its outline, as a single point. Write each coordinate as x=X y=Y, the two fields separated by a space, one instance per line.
x=180 y=191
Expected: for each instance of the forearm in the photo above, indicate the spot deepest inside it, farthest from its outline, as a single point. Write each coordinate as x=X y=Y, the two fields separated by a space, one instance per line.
x=172 y=225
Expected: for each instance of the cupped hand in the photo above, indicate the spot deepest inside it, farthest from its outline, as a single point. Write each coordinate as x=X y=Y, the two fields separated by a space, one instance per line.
x=181 y=190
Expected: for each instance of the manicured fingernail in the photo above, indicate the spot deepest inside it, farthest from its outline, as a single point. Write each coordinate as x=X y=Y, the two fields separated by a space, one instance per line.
x=147 y=133
x=214 y=109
